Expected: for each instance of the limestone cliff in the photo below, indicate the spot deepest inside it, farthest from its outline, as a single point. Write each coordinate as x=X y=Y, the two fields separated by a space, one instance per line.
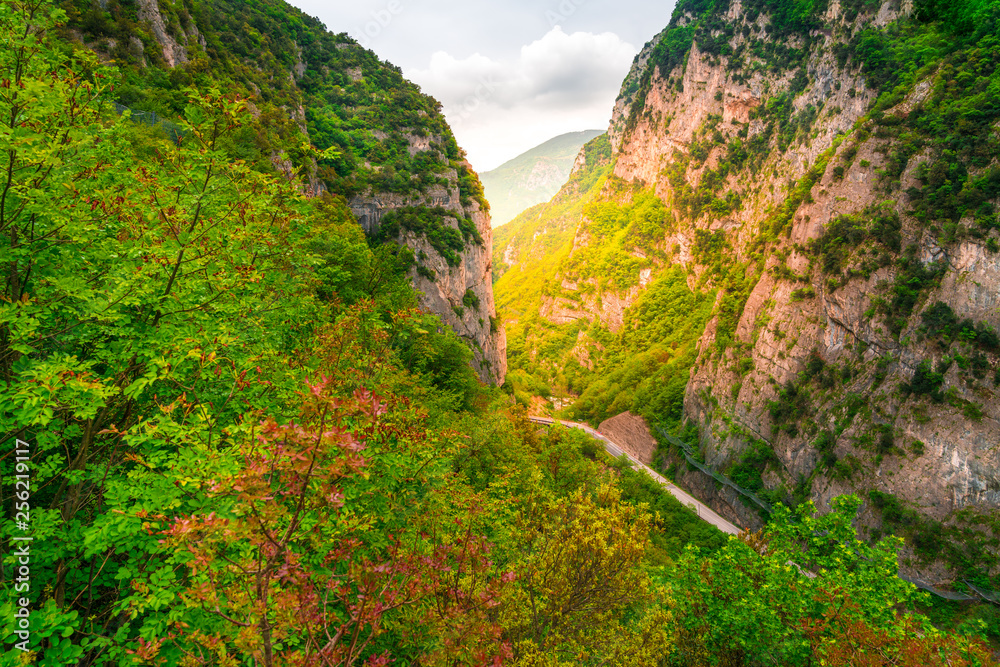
x=939 y=459
x=174 y=43
x=851 y=252
x=460 y=293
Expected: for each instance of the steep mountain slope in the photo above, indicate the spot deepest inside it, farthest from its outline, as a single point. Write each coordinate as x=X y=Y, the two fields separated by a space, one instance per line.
x=825 y=176
x=533 y=177
x=386 y=148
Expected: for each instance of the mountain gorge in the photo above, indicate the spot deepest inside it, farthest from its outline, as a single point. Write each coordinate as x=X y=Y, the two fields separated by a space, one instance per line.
x=788 y=254
x=249 y=358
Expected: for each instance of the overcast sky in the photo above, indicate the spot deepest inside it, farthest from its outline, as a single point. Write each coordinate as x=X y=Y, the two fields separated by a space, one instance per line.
x=509 y=73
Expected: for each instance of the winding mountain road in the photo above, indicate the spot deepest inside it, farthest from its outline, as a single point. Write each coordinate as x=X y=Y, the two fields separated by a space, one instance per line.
x=704 y=512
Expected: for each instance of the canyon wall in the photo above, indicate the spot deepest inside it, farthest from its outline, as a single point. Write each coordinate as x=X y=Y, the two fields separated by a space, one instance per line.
x=851 y=251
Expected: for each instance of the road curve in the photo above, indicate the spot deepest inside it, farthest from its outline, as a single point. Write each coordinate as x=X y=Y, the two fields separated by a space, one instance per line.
x=704 y=512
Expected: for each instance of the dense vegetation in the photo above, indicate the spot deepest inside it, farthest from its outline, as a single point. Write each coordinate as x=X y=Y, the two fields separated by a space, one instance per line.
x=247 y=446
x=644 y=367
x=360 y=112
x=434 y=225
x=241 y=432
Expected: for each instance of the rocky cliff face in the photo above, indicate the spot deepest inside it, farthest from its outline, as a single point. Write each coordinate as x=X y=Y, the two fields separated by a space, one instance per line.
x=460 y=294
x=174 y=49
x=853 y=346
x=940 y=459
x=461 y=291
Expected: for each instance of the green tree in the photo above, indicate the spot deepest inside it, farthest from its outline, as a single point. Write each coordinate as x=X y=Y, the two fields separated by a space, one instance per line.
x=578 y=580
x=150 y=287
x=756 y=600
x=316 y=542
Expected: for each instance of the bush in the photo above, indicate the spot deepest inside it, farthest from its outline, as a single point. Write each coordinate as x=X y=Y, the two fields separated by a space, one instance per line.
x=925 y=382
x=433 y=224
x=803 y=293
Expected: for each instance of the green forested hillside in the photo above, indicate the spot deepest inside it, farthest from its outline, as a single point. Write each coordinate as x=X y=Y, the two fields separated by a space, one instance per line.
x=303 y=80
x=644 y=367
x=232 y=439
x=321 y=110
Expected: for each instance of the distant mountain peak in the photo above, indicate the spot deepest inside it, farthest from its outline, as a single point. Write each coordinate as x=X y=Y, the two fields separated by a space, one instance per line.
x=534 y=176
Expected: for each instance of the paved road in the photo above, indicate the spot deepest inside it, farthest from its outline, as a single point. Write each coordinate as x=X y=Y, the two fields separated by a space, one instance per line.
x=707 y=514
x=704 y=512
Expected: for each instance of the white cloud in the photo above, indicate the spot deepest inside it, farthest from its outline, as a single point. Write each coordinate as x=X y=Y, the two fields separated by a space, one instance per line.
x=499 y=108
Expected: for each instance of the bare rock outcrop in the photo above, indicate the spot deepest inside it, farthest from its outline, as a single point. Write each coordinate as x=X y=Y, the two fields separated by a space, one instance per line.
x=632 y=434
x=938 y=457
x=175 y=52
